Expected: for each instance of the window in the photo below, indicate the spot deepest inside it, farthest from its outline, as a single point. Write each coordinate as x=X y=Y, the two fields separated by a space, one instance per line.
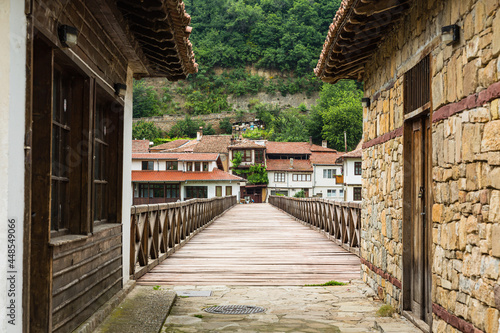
x=197 y=166
x=301 y=178
x=331 y=193
x=417 y=86
x=357 y=168
x=189 y=166
x=329 y=173
x=246 y=155
x=196 y=192
x=172 y=165
x=229 y=190
x=144 y=191
x=100 y=162
x=148 y=165
x=279 y=177
x=259 y=156
x=172 y=191
x=341 y=193
x=61 y=131
x=205 y=166
x=218 y=191
x=357 y=194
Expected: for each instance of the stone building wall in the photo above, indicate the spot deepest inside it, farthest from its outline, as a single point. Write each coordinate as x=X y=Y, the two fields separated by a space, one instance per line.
x=465 y=159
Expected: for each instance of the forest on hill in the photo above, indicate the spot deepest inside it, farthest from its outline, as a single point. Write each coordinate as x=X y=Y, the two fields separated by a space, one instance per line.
x=282 y=36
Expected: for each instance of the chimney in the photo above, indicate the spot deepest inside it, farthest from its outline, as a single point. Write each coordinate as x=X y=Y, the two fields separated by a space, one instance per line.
x=291 y=163
x=199 y=134
x=310 y=140
x=324 y=144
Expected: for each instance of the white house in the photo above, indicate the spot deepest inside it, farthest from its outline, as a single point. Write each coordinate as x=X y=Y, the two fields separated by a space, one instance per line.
x=170 y=177
x=327 y=181
x=352 y=174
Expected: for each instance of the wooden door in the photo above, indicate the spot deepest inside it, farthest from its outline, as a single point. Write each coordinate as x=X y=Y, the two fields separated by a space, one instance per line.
x=418 y=240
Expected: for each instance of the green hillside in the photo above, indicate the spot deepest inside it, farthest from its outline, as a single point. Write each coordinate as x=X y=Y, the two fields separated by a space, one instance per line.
x=281 y=36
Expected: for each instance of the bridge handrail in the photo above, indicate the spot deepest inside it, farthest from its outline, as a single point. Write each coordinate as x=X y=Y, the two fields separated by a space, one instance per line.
x=339 y=220
x=157 y=230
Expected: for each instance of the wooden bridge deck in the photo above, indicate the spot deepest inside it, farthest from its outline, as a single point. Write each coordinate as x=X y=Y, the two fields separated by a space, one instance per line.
x=256 y=245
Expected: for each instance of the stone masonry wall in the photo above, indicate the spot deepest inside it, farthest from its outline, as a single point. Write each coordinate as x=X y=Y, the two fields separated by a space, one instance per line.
x=465 y=156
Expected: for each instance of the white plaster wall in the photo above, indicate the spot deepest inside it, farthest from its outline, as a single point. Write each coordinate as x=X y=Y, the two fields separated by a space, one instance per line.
x=272 y=184
x=127 y=176
x=136 y=164
x=12 y=123
x=349 y=177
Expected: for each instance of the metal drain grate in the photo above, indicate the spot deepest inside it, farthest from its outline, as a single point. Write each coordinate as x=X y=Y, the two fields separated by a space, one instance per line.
x=234 y=309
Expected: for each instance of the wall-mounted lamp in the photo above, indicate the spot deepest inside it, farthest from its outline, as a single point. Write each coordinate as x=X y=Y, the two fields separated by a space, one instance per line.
x=365 y=101
x=120 y=89
x=68 y=35
x=450 y=34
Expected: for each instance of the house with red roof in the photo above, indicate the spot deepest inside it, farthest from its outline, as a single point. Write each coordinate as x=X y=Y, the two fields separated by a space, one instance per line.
x=171 y=177
x=303 y=166
x=351 y=164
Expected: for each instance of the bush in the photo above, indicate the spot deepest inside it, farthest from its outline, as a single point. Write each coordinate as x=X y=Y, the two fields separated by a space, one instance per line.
x=300 y=194
x=226 y=126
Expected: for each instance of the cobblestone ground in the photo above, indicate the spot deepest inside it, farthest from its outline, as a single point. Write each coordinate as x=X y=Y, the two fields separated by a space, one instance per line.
x=349 y=308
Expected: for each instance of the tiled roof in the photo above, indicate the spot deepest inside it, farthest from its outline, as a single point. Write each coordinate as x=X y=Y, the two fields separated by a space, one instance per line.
x=352 y=154
x=288 y=147
x=249 y=144
x=161 y=28
x=285 y=165
x=180 y=176
x=213 y=144
x=314 y=148
x=169 y=145
x=188 y=147
x=320 y=158
x=140 y=146
x=177 y=156
x=356 y=31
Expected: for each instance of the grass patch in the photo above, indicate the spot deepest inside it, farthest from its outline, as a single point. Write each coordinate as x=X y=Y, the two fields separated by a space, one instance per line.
x=156 y=288
x=329 y=283
x=386 y=310
x=198 y=316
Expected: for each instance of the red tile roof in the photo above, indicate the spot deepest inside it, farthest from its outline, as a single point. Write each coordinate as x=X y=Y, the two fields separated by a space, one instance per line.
x=288 y=147
x=314 y=148
x=180 y=176
x=285 y=165
x=352 y=154
x=162 y=30
x=177 y=156
x=168 y=145
x=188 y=147
x=362 y=26
x=248 y=144
x=140 y=146
x=213 y=144
x=324 y=158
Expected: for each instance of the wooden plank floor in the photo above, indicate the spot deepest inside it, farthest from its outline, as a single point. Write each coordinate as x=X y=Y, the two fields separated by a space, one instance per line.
x=256 y=245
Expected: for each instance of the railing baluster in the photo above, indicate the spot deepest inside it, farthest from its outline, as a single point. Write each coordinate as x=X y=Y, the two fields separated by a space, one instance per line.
x=341 y=220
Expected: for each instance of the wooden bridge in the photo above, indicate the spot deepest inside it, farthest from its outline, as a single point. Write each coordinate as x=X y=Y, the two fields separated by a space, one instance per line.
x=256 y=244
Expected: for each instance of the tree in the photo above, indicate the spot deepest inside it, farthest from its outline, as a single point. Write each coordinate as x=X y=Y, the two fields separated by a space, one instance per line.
x=341 y=110
x=145 y=101
x=226 y=126
x=146 y=130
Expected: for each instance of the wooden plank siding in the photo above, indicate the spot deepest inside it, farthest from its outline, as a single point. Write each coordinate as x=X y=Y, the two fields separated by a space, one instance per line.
x=95 y=47
x=86 y=274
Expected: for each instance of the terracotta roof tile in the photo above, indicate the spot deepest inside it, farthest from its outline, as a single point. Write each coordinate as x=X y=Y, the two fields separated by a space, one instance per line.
x=188 y=147
x=352 y=154
x=370 y=24
x=162 y=30
x=213 y=144
x=168 y=145
x=288 y=147
x=285 y=165
x=177 y=156
x=317 y=148
x=320 y=158
x=140 y=146
x=246 y=144
x=180 y=176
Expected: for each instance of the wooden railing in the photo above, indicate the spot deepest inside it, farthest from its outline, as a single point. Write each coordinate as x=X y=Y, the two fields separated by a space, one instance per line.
x=340 y=221
x=158 y=230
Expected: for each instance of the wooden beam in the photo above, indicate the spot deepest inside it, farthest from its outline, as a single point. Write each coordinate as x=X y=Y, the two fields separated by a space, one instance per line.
x=378 y=7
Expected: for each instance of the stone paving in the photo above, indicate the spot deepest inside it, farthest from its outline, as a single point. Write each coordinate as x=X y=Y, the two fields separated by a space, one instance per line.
x=346 y=309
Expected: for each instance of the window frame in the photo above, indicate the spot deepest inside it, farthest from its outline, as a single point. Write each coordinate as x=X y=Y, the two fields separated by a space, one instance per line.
x=329 y=173
x=356 y=194
x=301 y=177
x=218 y=191
x=357 y=168
x=148 y=166
x=229 y=190
x=171 y=165
x=278 y=176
